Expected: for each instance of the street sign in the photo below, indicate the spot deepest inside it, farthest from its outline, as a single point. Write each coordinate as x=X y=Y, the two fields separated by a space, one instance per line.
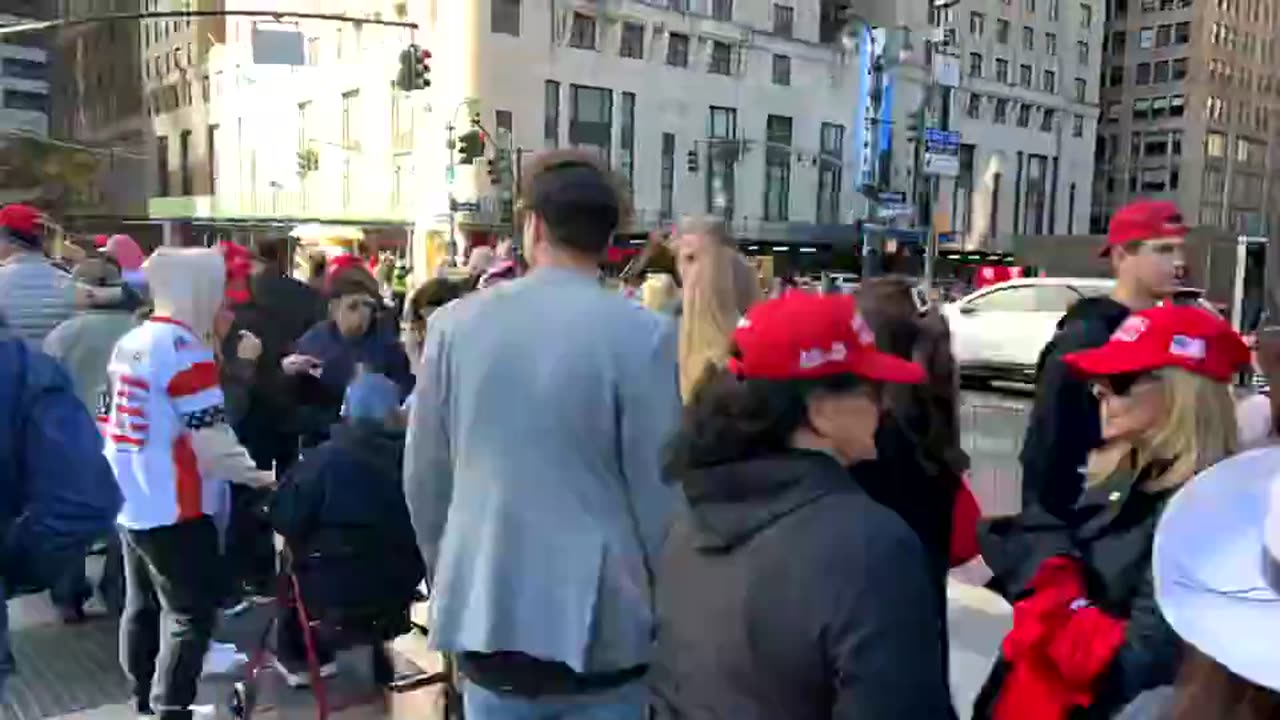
x=890 y=197
x=942 y=165
x=941 y=152
x=464 y=206
x=946 y=70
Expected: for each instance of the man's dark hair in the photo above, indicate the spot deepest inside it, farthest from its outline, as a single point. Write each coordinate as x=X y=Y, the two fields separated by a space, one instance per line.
x=577 y=197
x=437 y=292
x=274 y=251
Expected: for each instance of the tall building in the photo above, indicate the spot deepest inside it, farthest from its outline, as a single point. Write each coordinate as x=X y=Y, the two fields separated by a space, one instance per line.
x=1191 y=110
x=1025 y=108
x=24 y=99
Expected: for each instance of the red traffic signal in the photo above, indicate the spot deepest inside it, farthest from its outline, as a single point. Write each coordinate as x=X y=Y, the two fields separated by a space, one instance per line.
x=424 y=68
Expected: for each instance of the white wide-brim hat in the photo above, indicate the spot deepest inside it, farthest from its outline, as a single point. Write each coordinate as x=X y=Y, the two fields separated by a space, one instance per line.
x=1212 y=564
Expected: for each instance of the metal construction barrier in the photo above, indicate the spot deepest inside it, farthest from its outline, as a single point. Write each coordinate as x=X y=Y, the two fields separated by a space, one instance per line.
x=991 y=433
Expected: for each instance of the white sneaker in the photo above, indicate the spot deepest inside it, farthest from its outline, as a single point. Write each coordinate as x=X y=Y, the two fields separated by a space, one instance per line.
x=302 y=678
x=222 y=659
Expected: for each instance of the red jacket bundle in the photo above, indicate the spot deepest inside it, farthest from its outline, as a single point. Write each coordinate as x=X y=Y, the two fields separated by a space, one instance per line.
x=1059 y=646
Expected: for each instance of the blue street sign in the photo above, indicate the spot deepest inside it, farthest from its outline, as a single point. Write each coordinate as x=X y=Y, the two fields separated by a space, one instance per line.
x=890 y=197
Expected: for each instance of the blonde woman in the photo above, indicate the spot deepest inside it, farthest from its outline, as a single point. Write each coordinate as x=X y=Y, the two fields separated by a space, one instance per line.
x=1087 y=635
x=718 y=286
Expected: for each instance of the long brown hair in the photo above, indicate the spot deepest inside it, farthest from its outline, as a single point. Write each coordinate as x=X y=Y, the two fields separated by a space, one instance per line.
x=1207 y=690
x=930 y=412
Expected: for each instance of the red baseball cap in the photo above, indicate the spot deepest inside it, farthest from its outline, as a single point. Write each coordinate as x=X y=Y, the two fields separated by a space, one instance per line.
x=21 y=220
x=1182 y=336
x=805 y=335
x=1144 y=220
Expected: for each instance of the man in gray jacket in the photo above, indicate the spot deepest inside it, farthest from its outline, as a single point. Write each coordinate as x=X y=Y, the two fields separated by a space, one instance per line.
x=533 y=469
x=35 y=295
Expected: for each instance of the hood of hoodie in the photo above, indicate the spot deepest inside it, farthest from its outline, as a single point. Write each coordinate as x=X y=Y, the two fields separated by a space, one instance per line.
x=1104 y=309
x=126 y=252
x=187 y=285
x=372 y=442
x=732 y=502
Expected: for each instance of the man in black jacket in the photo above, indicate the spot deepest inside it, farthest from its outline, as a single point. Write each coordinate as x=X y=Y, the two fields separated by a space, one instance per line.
x=1144 y=245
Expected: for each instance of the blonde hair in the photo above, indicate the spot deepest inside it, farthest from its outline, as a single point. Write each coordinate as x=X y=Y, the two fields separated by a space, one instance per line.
x=657 y=292
x=1197 y=429
x=724 y=285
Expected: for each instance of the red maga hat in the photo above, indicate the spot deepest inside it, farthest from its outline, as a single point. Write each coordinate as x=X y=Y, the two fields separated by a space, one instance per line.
x=1182 y=336
x=1144 y=220
x=22 y=221
x=804 y=336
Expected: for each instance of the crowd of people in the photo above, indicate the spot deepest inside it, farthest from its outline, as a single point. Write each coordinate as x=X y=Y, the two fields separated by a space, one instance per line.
x=693 y=502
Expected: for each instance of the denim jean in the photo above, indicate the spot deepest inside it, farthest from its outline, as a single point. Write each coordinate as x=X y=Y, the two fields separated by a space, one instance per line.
x=6 y=657
x=629 y=702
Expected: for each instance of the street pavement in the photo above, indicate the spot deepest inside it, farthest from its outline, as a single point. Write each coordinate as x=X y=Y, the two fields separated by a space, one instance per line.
x=71 y=673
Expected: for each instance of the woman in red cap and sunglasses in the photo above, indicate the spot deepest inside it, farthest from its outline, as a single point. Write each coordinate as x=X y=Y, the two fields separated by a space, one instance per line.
x=784 y=590
x=1087 y=635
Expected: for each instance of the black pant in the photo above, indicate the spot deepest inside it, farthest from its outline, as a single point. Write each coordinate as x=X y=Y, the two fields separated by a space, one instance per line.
x=172 y=577
x=250 y=547
x=291 y=645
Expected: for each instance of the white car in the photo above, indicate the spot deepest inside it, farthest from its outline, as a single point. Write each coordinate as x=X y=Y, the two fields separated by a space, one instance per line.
x=999 y=331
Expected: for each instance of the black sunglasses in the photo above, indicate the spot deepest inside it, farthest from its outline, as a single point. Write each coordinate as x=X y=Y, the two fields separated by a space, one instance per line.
x=1122 y=383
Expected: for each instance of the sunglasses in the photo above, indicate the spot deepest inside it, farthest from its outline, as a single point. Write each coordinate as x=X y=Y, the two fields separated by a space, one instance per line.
x=359 y=304
x=1121 y=384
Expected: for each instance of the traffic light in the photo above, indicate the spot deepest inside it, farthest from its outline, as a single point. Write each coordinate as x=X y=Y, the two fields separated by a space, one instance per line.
x=415 y=69
x=499 y=168
x=470 y=147
x=691 y=161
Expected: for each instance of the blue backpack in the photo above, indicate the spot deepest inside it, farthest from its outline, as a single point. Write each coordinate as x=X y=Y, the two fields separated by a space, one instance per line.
x=58 y=494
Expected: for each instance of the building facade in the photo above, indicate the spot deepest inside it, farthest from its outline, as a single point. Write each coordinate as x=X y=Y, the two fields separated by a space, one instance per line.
x=1026 y=109
x=1190 y=111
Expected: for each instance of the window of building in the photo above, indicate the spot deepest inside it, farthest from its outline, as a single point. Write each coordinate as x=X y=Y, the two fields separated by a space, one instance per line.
x=1082 y=52
x=1118 y=43
x=1033 y=221
x=1002 y=31
x=1077 y=126
x=1050 y=80
x=1142 y=109
x=975 y=65
x=1179 y=69
x=627 y=138
x=1080 y=88
x=678 y=50
x=504 y=17
x=1160 y=73
x=678 y=5
x=503 y=121
x=591 y=119
x=784 y=19
x=632 y=45
x=723 y=160
x=721 y=58
x=781 y=70
x=1159 y=108
x=1046 y=120
x=973 y=107
x=582 y=33
x=1051 y=44
x=350 y=101
x=1002 y=70
x=667 y=179
x=1053 y=10
x=1164 y=35
x=184 y=162
x=1001 y=115
x=977 y=24
x=1024 y=115
x=777 y=168
x=551 y=115
x=1182 y=33
x=1115 y=76
x=1146 y=38
x=25 y=69
x=1215 y=144
x=211 y=158
x=402 y=121
x=1142 y=74
x=1024 y=76
x=26 y=100
x=1086 y=15
x=162 y=166
x=1177 y=105
x=721 y=10
x=1028 y=39
x=830 y=172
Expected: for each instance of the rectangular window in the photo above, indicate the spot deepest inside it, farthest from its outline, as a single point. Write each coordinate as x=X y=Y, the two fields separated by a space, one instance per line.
x=1037 y=183
x=1024 y=76
x=627 y=138
x=1002 y=70
x=1117 y=43
x=184 y=162
x=1160 y=72
x=1046 y=120
x=1029 y=5
x=1024 y=115
x=1142 y=109
x=304 y=118
x=1142 y=75
x=784 y=20
x=551 y=115
x=1051 y=44
x=1086 y=15
x=1002 y=31
x=666 y=190
x=591 y=119
x=26 y=100
x=721 y=58
x=1116 y=76
x=1028 y=39
x=211 y=158
x=1179 y=69
x=1182 y=33
x=975 y=65
x=1080 y=90
x=973 y=107
x=1082 y=52
x=722 y=9
x=678 y=50
x=26 y=69
x=632 y=45
x=349 y=102
x=781 y=70
x=504 y=17
x=830 y=172
x=1002 y=111
x=1077 y=126
x=777 y=168
x=1215 y=145
x=582 y=33
x=1164 y=35
x=1177 y=105
x=1146 y=38
x=977 y=24
x=722 y=155
x=502 y=121
x=162 y=166
x=1050 y=81
x=1053 y=10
